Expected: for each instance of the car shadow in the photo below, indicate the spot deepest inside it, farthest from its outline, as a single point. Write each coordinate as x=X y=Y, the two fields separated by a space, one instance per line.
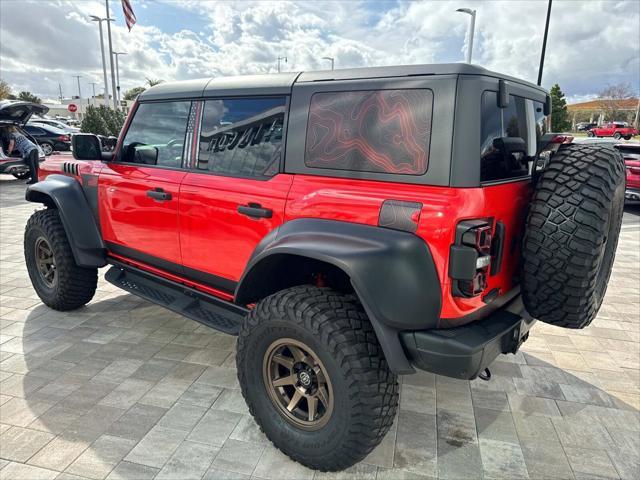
x=82 y=375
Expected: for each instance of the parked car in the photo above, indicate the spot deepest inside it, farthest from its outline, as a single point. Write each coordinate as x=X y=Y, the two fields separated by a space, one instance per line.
x=584 y=126
x=37 y=121
x=615 y=130
x=17 y=114
x=631 y=154
x=49 y=138
x=347 y=225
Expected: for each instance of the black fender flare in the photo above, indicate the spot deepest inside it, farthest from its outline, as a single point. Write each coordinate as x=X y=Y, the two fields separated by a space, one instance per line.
x=391 y=271
x=66 y=194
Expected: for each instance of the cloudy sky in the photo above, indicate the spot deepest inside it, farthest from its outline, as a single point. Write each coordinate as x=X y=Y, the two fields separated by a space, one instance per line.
x=44 y=42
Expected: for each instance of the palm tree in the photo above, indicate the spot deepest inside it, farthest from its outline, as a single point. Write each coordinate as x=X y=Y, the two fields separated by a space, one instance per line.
x=153 y=81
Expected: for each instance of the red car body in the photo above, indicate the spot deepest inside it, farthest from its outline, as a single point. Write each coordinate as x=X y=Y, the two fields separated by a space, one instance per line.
x=631 y=154
x=613 y=129
x=185 y=232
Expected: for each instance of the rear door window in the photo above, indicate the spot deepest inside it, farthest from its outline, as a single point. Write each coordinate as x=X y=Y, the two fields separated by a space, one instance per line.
x=385 y=131
x=242 y=137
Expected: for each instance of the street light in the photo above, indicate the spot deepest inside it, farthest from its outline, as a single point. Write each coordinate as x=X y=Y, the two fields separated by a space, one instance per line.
x=331 y=59
x=104 y=64
x=78 y=77
x=118 y=74
x=113 y=77
x=281 y=58
x=93 y=84
x=472 y=28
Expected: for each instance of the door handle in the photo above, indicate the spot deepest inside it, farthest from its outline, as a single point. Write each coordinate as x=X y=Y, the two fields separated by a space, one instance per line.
x=255 y=210
x=159 y=194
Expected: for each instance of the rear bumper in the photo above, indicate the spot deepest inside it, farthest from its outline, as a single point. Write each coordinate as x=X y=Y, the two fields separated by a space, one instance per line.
x=632 y=194
x=13 y=166
x=464 y=352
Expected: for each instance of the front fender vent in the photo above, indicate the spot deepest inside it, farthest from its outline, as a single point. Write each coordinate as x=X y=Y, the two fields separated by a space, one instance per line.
x=70 y=168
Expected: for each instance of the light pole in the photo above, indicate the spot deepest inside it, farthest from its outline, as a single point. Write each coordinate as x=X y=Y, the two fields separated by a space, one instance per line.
x=331 y=59
x=113 y=76
x=78 y=77
x=117 y=54
x=281 y=58
x=104 y=64
x=118 y=74
x=93 y=85
x=472 y=28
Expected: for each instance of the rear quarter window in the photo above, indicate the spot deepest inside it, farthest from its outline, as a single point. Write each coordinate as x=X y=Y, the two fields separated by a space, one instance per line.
x=384 y=131
x=505 y=123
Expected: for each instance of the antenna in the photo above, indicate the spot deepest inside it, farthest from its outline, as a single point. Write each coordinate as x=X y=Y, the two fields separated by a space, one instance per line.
x=544 y=43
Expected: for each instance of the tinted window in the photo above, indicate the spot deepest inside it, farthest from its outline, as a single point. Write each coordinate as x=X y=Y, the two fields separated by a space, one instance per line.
x=157 y=129
x=242 y=136
x=541 y=120
x=34 y=130
x=502 y=155
x=385 y=131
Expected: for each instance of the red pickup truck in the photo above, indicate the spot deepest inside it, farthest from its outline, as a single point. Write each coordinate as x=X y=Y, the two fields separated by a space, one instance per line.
x=613 y=129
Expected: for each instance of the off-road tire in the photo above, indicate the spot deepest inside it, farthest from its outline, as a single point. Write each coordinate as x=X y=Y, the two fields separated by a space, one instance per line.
x=571 y=234
x=74 y=285
x=22 y=175
x=336 y=327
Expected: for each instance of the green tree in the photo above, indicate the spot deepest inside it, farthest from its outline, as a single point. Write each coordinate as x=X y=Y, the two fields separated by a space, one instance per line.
x=133 y=93
x=5 y=90
x=28 y=97
x=102 y=120
x=559 y=116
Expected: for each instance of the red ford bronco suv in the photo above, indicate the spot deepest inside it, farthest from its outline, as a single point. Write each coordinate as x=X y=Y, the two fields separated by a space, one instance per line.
x=347 y=225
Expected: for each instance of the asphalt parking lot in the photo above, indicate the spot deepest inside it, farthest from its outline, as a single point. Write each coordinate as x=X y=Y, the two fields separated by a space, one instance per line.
x=125 y=389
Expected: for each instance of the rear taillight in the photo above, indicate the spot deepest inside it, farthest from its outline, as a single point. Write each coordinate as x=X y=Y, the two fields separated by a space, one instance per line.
x=470 y=257
x=64 y=138
x=633 y=165
x=562 y=139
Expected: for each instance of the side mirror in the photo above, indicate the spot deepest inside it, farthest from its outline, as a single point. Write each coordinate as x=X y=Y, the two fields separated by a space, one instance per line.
x=146 y=155
x=547 y=105
x=503 y=94
x=86 y=146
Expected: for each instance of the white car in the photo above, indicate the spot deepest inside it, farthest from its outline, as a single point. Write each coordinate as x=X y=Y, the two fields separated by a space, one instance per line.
x=53 y=123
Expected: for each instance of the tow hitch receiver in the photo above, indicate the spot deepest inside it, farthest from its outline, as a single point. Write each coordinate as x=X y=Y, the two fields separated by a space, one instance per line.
x=465 y=352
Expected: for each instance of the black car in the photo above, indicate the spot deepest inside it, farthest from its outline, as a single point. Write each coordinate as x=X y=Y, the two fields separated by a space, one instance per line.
x=49 y=138
x=584 y=126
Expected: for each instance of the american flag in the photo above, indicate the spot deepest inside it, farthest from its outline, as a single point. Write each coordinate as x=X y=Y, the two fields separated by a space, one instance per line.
x=129 y=16
x=193 y=132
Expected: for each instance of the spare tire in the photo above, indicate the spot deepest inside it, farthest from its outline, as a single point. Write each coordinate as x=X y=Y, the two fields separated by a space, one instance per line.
x=571 y=234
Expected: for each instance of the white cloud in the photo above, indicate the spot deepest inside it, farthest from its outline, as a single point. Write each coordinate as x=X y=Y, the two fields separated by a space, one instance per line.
x=591 y=43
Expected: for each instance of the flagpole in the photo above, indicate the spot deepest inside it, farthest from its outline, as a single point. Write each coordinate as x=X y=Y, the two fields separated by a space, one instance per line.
x=113 y=76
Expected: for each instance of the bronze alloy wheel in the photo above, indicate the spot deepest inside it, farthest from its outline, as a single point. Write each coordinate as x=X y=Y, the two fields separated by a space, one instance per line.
x=298 y=384
x=45 y=262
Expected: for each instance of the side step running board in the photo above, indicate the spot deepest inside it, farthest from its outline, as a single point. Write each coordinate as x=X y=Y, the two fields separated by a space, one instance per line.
x=191 y=303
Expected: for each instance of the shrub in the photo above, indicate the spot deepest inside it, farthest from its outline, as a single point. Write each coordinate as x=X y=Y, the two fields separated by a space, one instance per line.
x=102 y=120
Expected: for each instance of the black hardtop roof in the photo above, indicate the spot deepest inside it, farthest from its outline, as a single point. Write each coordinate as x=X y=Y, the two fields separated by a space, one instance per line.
x=281 y=83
